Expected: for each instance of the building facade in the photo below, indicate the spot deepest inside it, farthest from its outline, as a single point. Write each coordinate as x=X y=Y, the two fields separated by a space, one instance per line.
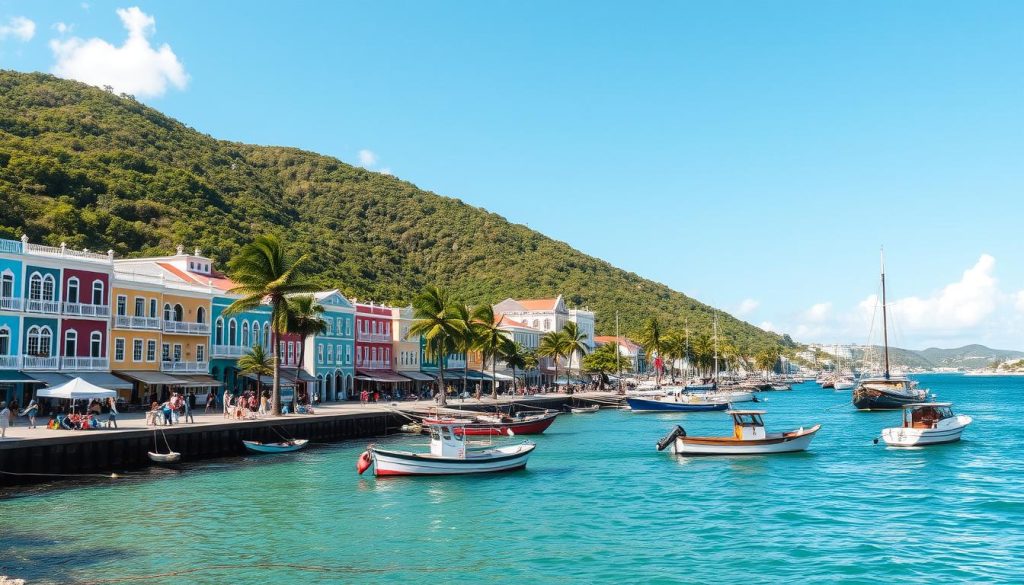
x=330 y=357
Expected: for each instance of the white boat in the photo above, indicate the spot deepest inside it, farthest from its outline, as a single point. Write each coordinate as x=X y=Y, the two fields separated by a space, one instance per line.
x=728 y=396
x=927 y=423
x=172 y=457
x=449 y=455
x=748 y=438
x=843 y=384
x=586 y=409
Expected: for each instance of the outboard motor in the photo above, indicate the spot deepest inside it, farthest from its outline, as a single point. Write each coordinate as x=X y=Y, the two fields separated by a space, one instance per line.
x=669 y=438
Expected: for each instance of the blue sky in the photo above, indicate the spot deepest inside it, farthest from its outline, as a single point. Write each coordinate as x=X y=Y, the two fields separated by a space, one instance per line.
x=755 y=155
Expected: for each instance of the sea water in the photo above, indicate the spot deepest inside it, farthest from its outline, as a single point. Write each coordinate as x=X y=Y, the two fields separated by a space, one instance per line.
x=597 y=504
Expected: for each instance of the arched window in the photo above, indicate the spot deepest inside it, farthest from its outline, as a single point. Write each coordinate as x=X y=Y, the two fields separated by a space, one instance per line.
x=245 y=333
x=49 y=286
x=97 y=293
x=255 y=333
x=35 y=286
x=218 y=338
x=5 y=341
x=266 y=334
x=179 y=313
x=96 y=344
x=232 y=331
x=71 y=343
x=536 y=323
x=167 y=312
x=72 y=296
x=39 y=340
x=7 y=285
x=201 y=315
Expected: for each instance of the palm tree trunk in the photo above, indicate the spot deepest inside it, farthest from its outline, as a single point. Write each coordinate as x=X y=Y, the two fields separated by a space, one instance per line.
x=440 y=373
x=298 y=366
x=494 y=379
x=275 y=392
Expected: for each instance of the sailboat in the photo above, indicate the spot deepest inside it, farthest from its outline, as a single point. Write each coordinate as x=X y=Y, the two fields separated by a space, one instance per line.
x=886 y=392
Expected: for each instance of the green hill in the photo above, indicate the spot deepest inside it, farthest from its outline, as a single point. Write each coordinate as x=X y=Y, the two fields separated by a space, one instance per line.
x=98 y=171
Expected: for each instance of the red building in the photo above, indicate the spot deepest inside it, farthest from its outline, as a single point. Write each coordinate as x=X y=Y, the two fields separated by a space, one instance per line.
x=85 y=326
x=373 y=346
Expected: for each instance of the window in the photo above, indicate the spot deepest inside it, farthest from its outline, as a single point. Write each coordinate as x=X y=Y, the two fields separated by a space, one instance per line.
x=96 y=344
x=536 y=324
x=5 y=341
x=119 y=349
x=179 y=313
x=547 y=324
x=387 y=355
x=151 y=350
x=167 y=312
x=330 y=354
x=232 y=333
x=165 y=352
x=245 y=333
x=48 y=287
x=280 y=348
x=218 y=335
x=291 y=352
x=71 y=343
x=177 y=352
x=35 y=286
x=122 y=305
x=341 y=326
x=39 y=340
x=266 y=334
x=137 y=350
x=97 y=293
x=201 y=315
x=329 y=327
x=72 y=296
x=200 y=353
x=348 y=354
x=319 y=354
x=152 y=308
x=255 y=333
x=7 y=285
x=140 y=307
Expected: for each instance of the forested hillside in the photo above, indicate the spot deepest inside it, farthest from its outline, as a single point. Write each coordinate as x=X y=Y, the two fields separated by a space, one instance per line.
x=98 y=171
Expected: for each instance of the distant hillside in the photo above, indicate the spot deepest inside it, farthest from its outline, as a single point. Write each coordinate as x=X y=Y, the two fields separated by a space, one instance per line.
x=966 y=357
x=99 y=171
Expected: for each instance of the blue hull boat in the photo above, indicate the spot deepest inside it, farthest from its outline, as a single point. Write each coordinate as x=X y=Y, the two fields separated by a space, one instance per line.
x=645 y=405
x=283 y=447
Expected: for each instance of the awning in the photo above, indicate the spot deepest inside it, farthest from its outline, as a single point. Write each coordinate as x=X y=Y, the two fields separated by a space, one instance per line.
x=200 y=380
x=17 y=377
x=498 y=376
x=104 y=380
x=152 y=378
x=287 y=377
x=51 y=378
x=380 y=376
x=417 y=376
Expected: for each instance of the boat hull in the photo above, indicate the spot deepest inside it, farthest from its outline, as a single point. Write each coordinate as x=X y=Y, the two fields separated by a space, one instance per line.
x=644 y=405
x=790 y=442
x=585 y=409
x=257 y=447
x=843 y=385
x=533 y=426
x=943 y=433
x=401 y=463
x=869 y=398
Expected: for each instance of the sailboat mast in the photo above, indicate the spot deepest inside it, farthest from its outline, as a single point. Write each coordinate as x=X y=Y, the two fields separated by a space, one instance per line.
x=885 y=322
x=714 y=326
x=618 y=348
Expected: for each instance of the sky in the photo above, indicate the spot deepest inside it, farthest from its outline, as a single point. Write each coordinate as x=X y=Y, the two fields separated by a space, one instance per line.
x=755 y=155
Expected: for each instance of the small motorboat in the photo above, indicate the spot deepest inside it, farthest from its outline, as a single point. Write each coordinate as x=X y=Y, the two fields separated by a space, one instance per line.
x=499 y=424
x=748 y=438
x=843 y=384
x=586 y=409
x=171 y=457
x=926 y=423
x=677 y=401
x=449 y=455
x=279 y=447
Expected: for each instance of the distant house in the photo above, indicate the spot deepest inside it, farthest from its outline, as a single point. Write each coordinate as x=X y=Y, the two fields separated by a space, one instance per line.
x=548 y=315
x=627 y=349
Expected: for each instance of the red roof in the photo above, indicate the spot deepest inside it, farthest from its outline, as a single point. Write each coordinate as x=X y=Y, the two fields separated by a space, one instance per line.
x=504 y=321
x=215 y=279
x=538 y=304
x=623 y=341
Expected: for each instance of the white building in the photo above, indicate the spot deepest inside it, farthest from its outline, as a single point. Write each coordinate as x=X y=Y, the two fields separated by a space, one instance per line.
x=548 y=315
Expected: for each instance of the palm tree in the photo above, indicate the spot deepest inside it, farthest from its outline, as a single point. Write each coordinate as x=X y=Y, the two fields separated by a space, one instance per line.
x=516 y=357
x=263 y=273
x=553 y=345
x=530 y=362
x=437 y=319
x=304 y=319
x=490 y=340
x=651 y=339
x=256 y=362
x=465 y=343
x=604 y=360
x=575 y=342
x=674 y=346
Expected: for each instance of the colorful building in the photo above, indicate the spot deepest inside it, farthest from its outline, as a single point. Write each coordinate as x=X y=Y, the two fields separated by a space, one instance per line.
x=405 y=355
x=330 y=357
x=373 y=347
x=548 y=315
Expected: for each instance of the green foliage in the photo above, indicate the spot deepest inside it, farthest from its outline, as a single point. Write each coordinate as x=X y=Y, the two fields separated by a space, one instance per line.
x=607 y=360
x=98 y=171
x=442 y=323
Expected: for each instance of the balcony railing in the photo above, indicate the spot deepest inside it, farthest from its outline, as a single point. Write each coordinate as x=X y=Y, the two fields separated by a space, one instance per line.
x=374 y=364
x=86 y=310
x=31 y=362
x=41 y=306
x=65 y=252
x=127 y=322
x=228 y=351
x=186 y=327
x=201 y=367
x=11 y=303
x=84 y=363
x=10 y=362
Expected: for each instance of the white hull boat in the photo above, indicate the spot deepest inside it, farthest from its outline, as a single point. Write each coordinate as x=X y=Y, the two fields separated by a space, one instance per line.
x=927 y=424
x=449 y=455
x=586 y=409
x=843 y=385
x=749 y=438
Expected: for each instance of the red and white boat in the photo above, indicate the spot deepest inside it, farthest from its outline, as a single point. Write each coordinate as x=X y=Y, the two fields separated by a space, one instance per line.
x=748 y=438
x=449 y=455
x=499 y=424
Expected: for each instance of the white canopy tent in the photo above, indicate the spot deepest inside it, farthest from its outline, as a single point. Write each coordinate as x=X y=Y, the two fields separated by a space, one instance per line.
x=76 y=389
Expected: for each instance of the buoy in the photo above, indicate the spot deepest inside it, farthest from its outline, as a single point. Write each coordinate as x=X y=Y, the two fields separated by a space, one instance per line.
x=364 y=462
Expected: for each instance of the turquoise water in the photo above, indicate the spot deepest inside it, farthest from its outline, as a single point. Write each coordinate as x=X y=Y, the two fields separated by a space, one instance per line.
x=597 y=505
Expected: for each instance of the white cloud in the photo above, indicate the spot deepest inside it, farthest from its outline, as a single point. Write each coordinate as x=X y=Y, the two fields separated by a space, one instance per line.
x=367 y=158
x=136 y=67
x=747 y=307
x=18 y=27
x=962 y=304
x=767 y=326
x=1019 y=305
x=385 y=171
x=818 y=312
x=62 y=28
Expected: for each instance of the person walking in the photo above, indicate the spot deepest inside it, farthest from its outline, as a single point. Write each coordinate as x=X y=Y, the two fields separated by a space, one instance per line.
x=5 y=419
x=211 y=401
x=13 y=407
x=187 y=405
x=263 y=405
x=112 y=419
x=226 y=403
x=31 y=411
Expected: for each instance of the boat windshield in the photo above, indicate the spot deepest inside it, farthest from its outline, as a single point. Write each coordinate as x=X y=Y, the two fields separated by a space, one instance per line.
x=944 y=412
x=748 y=420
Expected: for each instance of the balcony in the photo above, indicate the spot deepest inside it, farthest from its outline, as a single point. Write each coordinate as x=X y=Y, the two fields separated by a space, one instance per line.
x=31 y=362
x=86 y=310
x=84 y=363
x=126 y=322
x=190 y=367
x=374 y=337
x=11 y=304
x=10 y=362
x=374 y=365
x=41 y=306
x=186 y=328
x=228 y=351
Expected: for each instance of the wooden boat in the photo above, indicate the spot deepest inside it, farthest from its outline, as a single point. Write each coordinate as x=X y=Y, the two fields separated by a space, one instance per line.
x=499 y=424
x=748 y=438
x=843 y=384
x=926 y=423
x=172 y=457
x=280 y=447
x=586 y=409
x=677 y=402
x=449 y=455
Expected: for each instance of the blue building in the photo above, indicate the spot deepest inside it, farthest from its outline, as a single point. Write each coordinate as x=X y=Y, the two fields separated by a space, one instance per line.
x=232 y=337
x=330 y=357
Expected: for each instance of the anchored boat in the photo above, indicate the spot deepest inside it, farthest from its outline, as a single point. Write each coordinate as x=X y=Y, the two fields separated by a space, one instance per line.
x=676 y=402
x=499 y=424
x=748 y=438
x=927 y=423
x=585 y=409
x=449 y=455
x=280 y=447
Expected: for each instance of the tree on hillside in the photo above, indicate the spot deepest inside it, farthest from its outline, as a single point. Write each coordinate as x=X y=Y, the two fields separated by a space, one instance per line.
x=263 y=273
x=305 y=318
x=766 y=359
x=437 y=318
x=466 y=342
